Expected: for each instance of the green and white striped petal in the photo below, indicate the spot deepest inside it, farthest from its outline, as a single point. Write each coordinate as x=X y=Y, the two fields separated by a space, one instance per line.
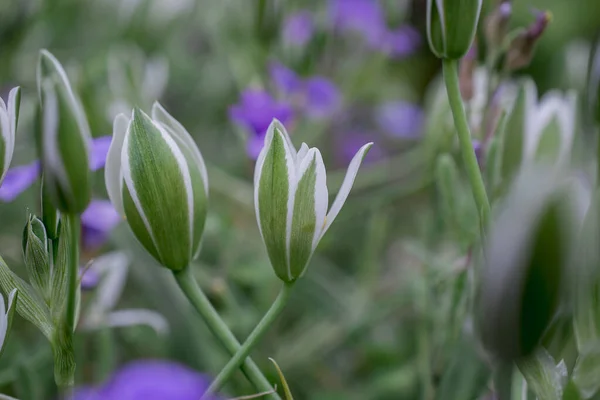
x=9 y=115
x=197 y=170
x=158 y=196
x=64 y=138
x=274 y=189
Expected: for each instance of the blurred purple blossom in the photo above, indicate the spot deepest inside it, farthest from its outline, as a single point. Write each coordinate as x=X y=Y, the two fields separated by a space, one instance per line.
x=97 y=221
x=400 y=119
x=19 y=179
x=298 y=28
x=148 y=380
x=362 y=16
x=352 y=141
x=89 y=278
x=255 y=111
x=367 y=18
x=316 y=96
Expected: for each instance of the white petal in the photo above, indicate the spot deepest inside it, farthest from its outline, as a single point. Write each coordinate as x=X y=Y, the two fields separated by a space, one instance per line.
x=321 y=198
x=112 y=171
x=301 y=154
x=112 y=268
x=344 y=191
x=132 y=317
x=14 y=98
x=161 y=115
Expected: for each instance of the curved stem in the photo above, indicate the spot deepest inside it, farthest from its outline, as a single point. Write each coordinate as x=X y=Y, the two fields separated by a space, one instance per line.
x=258 y=332
x=192 y=291
x=464 y=136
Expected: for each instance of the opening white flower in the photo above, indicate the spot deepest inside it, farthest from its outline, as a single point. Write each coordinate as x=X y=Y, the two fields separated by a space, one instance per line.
x=291 y=200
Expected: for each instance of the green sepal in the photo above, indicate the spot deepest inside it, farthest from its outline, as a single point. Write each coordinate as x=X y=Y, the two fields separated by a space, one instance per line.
x=30 y=306
x=36 y=255
x=451 y=26
x=60 y=273
x=544 y=377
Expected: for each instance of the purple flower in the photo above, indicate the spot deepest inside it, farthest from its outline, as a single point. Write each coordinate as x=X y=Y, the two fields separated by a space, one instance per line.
x=400 y=42
x=316 y=96
x=365 y=17
x=18 y=179
x=89 y=278
x=97 y=221
x=254 y=112
x=149 y=380
x=298 y=28
x=400 y=119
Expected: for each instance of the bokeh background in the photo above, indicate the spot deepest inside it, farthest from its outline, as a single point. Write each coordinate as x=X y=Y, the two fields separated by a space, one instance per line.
x=376 y=315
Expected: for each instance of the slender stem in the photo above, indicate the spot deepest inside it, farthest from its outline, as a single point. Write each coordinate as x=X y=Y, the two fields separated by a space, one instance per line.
x=464 y=136
x=258 y=332
x=503 y=378
x=190 y=288
x=73 y=267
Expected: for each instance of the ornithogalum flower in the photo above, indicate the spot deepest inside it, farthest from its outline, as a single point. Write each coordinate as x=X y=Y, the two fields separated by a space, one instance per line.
x=156 y=177
x=298 y=28
x=290 y=195
x=97 y=221
x=149 y=380
x=19 y=179
x=400 y=119
x=254 y=112
x=9 y=116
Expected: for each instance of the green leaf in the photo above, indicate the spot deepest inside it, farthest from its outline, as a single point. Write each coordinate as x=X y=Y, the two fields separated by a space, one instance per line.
x=29 y=306
x=286 y=388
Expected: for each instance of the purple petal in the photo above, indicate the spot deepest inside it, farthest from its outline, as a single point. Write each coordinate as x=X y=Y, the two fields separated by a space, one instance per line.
x=400 y=42
x=286 y=81
x=255 y=145
x=154 y=380
x=400 y=119
x=298 y=28
x=363 y=16
x=89 y=278
x=322 y=97
x=256 y=110
x=97 y=221
x=100 y=147
x=18 y=179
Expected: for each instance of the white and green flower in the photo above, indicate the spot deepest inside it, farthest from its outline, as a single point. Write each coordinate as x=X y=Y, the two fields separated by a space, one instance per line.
x=64 y=138
x=9 y=116
x=6 y=316
x=291 y=200
x=156 y=178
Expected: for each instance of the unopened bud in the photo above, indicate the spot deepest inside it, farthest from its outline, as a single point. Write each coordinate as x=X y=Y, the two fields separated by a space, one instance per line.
x=35 y=254
x=522 y=47
x=496 y=24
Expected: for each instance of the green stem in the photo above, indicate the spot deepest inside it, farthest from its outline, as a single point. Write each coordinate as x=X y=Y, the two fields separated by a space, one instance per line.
x=464 y=136
x=258 y=332
x=73 y=268
x=190 y=288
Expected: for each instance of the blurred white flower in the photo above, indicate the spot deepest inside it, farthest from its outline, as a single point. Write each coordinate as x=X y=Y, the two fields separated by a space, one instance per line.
x=112 y=269
x=6 y=316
